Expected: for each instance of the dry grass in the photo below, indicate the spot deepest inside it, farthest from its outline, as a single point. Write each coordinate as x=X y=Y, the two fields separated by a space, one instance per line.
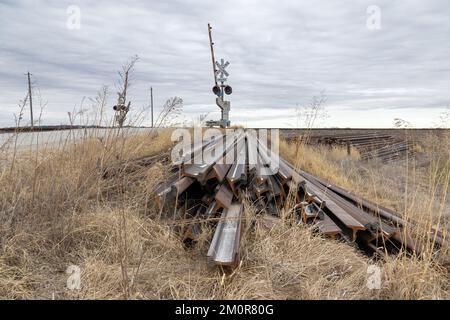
x=58 y=210
x=416 y=189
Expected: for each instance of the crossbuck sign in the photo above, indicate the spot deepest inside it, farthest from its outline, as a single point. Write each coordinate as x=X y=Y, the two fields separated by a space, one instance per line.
x=221 y=70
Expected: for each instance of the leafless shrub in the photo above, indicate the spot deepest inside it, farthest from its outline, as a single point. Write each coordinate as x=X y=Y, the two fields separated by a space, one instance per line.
x=311 y=114
x=170 y=112
x=17 y=119
x=201 y=120
x=99 y=104
x=401 y=123
x=444 y=119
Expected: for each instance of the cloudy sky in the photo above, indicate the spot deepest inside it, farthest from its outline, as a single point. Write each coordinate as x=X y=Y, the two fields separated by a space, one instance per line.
x=373 y=65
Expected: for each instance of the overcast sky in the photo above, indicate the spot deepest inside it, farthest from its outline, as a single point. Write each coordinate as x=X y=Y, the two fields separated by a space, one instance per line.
x=282 y=53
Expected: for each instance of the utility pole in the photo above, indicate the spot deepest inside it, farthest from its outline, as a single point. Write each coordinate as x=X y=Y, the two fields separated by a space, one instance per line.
x=31 y=99
x=151 y=102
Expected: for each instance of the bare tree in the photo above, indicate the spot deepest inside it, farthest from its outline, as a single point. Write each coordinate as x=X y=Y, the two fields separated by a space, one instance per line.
x=122 y=107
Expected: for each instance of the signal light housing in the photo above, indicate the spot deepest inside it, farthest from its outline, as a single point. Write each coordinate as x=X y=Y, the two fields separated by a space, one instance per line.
x=228 y=90
x=216 y=90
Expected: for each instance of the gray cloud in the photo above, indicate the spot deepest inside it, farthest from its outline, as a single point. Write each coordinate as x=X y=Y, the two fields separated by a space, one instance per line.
x=281 y=53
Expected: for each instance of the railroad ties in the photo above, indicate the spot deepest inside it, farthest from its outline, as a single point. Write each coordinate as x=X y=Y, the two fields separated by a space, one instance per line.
x=242 y=167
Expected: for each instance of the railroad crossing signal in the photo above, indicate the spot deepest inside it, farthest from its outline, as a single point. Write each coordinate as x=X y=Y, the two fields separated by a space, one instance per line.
x=221 y=70
x=220 y=74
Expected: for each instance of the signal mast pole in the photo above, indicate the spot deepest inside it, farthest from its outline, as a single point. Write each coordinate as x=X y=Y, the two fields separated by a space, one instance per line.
x=211 y=44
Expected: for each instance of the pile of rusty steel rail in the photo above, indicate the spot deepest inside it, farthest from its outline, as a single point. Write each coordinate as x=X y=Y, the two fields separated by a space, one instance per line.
x=214 y=191
x=369 y=145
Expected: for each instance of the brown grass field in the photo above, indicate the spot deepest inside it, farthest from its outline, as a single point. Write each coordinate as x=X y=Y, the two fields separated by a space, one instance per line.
x=57 y=210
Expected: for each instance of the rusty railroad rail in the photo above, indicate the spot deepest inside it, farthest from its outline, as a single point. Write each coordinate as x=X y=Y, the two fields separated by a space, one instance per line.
x=214 y=191
x=370 y=145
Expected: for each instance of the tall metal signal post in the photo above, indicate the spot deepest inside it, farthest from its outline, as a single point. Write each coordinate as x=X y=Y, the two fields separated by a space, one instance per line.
x=220 y=87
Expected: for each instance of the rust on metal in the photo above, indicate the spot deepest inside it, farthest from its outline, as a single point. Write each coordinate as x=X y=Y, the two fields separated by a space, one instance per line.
x=224 y=197
x=224 y=248
x=328 y=227
x=217 y=187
